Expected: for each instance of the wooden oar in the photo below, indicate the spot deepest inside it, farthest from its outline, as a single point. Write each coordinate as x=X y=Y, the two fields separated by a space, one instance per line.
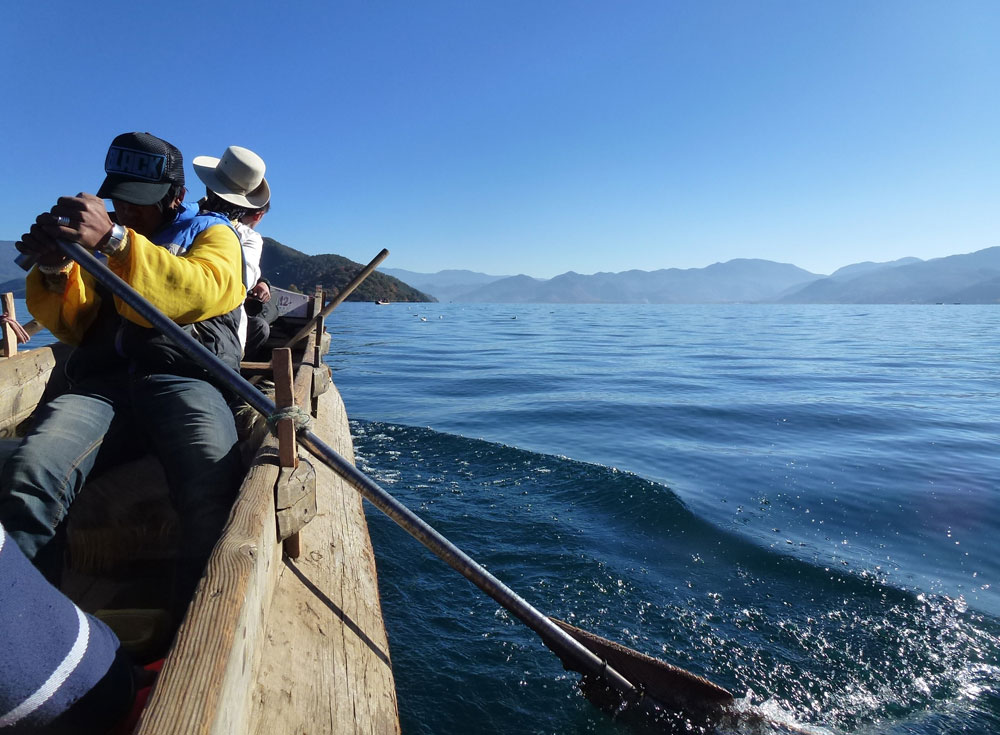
x=344 y=293
x=598 y=659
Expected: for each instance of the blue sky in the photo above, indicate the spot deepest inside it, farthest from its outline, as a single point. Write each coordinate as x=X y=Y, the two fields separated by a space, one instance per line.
x=536 y=136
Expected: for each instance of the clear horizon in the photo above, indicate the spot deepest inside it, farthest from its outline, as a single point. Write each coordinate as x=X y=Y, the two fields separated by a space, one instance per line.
x=598 y=137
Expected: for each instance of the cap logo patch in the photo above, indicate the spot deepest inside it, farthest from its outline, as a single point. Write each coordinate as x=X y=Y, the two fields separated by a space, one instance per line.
x=135 y=164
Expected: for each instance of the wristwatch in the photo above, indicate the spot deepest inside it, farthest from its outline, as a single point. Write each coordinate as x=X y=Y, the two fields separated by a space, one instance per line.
x=116 y=241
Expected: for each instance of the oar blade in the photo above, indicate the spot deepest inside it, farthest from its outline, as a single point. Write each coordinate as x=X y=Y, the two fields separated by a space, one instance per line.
x=672 y=687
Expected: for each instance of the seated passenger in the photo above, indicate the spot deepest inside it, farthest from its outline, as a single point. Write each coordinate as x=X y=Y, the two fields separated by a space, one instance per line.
x=236 y=189
x=260 y=310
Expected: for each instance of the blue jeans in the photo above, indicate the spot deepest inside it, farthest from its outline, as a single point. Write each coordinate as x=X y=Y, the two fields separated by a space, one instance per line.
x=184 y=421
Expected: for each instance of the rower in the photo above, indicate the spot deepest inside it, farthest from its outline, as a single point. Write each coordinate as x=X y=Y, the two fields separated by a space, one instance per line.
x=131 y=389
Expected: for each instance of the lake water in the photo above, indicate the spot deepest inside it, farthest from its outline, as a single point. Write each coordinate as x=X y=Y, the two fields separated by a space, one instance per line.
x=794 y=501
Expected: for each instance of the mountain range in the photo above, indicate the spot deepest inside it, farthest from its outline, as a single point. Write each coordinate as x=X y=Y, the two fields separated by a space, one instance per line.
x=971 y=278
x=448 y=285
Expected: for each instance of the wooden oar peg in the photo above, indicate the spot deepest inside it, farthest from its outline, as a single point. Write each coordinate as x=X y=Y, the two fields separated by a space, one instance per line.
x=295 y=493
x=9 y=333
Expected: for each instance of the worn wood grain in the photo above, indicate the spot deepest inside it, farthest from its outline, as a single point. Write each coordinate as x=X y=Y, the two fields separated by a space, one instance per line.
x=249 y=366
x=23 y=379
x=9 y=335
x=301 y=394
x=326 y=666
x=293 y=517
x=213 y=663
x=33 y=328
x=284 y=397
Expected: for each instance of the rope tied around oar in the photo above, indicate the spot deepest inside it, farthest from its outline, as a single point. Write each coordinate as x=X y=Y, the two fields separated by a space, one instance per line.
x=299 y=416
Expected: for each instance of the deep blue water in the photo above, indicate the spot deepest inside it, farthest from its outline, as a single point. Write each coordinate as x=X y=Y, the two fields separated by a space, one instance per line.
x=794 y=501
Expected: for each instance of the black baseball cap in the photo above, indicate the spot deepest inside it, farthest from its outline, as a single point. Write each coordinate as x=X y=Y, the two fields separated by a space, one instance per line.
x=140 y=169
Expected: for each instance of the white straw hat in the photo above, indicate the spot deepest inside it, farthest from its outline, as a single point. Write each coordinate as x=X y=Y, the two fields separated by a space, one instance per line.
x=237 y=177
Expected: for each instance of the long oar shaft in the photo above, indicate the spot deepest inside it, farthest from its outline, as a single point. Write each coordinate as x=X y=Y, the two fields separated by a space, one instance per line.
x=573 y=654
x=344 y=293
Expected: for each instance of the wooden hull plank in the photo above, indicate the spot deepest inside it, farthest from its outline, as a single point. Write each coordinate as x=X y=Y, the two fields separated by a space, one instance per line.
x=213 y=662
x=325 y=665
x=23 y=380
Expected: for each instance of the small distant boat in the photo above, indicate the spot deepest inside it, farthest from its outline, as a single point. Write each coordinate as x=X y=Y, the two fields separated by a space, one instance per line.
x=380 y=302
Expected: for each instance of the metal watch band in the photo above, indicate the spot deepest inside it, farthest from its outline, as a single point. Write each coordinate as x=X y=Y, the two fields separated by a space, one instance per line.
x=116 y=241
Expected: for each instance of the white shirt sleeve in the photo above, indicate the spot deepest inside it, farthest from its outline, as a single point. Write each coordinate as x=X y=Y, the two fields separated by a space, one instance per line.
x=253 y=246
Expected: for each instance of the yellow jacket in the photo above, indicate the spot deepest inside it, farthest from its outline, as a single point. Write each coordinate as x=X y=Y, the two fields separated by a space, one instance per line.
x=204 y=282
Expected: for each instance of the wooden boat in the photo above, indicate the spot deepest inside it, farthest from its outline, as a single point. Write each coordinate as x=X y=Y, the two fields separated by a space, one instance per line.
x=269 y=643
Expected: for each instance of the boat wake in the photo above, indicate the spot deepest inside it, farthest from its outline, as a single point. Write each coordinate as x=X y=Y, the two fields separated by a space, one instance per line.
x=811 y=646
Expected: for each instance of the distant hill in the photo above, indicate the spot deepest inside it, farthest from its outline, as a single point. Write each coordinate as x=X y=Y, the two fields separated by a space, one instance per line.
x=288 y=268
x=857 y=269
x=510 y=290
x=9 y=271
x=444 y=285
x=984 y=292
x=970 y=278
x=740 y=280
x=14 y=286
x=11 y=276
